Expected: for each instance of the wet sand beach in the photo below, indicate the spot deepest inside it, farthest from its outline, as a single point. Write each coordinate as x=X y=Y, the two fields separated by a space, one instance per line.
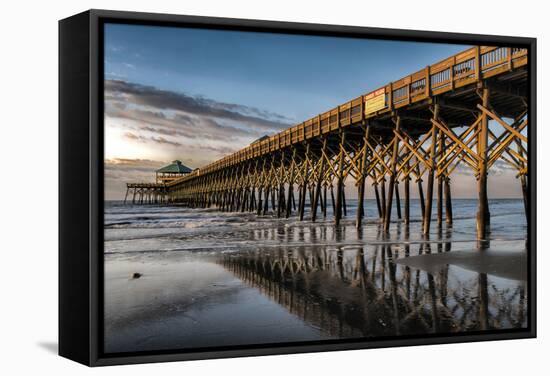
x=183 y=301
x=209 y=279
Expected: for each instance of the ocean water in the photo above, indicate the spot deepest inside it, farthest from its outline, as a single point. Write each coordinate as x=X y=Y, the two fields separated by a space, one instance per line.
x=210 y=279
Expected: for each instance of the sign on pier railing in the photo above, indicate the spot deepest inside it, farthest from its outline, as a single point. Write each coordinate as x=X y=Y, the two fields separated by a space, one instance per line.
x=375 y=101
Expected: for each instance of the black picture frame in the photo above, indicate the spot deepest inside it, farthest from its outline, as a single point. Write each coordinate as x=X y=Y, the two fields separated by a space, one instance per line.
x=81 y=184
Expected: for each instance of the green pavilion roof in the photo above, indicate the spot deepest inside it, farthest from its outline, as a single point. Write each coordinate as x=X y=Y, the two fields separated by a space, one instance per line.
x=175 y=167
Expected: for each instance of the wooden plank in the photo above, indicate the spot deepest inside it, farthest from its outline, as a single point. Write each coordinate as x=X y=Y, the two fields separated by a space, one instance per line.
x=503 y=123
x=333 y=119
x=324 y=118
x=301 y=136
x=316 y=126
x=294 y=134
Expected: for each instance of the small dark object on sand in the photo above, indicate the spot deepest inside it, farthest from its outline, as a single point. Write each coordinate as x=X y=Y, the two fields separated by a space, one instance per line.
x=136 y=275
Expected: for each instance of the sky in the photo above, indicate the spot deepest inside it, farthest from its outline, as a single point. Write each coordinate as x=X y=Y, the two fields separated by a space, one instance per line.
x=197 y=95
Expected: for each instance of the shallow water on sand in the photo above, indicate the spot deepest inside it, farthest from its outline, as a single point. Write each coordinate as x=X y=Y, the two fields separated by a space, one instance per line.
x=215 y=279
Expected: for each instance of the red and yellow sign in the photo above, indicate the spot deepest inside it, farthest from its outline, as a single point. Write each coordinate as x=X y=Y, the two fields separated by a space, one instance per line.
x=375 y=101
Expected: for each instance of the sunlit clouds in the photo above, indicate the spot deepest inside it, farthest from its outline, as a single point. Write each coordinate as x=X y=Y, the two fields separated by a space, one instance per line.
x=143 y=123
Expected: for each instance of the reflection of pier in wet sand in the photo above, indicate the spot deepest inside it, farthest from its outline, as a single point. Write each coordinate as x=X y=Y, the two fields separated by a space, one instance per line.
x=265 y=280
x=389 y=289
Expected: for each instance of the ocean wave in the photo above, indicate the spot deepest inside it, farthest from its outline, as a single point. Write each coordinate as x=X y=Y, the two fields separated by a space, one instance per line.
x=147 y=228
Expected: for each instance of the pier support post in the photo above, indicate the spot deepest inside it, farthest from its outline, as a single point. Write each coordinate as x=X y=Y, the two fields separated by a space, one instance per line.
x=320 y=176
x=252 y=206
x=223 y=201
x=378 y=203
x=362 y=179
x=393 y=173
x=126 y=196
x=419 y=182
x=245 y=199
x=303 y=190
x=523 y=180
x=397 y=200
x=431 y=173
x=332 y=200
x=281 y=200
x=525 y=191
x=483 y=217
x=290 y=200
x=281 y=191
x=344 y=206
x=440 y=183
x=340 y=179
x=310 y=190
x=324 y=201
x=260 y=202
x=360 y=200
x=273 y=189
x=448 y=202
x=383 y=198
x=266 y=199
x=407 y=189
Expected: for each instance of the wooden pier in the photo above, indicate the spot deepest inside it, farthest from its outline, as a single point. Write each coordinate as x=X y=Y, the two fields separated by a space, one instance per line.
x=146 y=193
x=420 y=127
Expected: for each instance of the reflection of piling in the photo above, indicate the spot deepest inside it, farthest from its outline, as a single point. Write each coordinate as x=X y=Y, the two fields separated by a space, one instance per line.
x=360 y=292
x=433 y=301
x=483 y=302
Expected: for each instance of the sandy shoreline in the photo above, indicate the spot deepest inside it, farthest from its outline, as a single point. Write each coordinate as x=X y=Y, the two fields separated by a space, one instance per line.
x=181 y=301
x=190 y=300
x=211 y=279
x=503 y=264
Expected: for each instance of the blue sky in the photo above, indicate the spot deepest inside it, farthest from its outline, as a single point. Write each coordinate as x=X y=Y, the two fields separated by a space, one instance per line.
x=298 y=76
x=198 y=95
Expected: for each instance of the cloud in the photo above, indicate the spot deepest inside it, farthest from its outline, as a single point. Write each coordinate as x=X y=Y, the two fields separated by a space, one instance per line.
x=132 y=136
x=116 y=74
x=178 y=124
x=132 y=165
x=145 y=139
x=501 y=167
x=165 y=100
x=119 y=171
x=165 y=124
x=162 y=140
